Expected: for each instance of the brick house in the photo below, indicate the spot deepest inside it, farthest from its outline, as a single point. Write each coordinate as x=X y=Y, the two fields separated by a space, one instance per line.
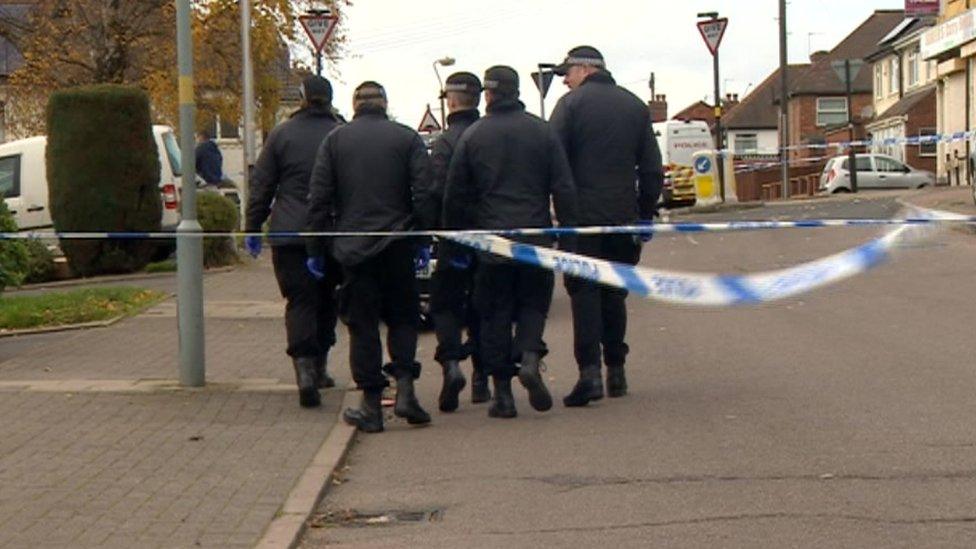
x=752 y=125
x=818 y=106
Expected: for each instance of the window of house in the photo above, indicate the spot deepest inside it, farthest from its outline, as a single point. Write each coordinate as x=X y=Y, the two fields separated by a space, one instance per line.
x=831 y=111
x=928 y=149
x=914 y=68
x=746 y=142
x=894 y=74
x=879 y=81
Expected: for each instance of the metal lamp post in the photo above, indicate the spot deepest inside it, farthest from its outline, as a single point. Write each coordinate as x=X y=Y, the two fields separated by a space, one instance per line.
x=444 y=62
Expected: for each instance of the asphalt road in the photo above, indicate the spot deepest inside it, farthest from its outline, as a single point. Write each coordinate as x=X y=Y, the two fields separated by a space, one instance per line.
x=839 y=418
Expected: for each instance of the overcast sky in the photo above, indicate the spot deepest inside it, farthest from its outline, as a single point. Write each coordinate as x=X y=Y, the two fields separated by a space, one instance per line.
x=395 y=42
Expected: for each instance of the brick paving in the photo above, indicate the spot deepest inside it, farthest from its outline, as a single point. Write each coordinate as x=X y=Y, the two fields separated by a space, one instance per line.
x=201 y=467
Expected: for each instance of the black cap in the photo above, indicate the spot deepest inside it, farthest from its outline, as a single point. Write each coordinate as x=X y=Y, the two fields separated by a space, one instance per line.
x=581 y=55
x=502 y=80
x=464 y=82
x=316 y=88
x=369 y=90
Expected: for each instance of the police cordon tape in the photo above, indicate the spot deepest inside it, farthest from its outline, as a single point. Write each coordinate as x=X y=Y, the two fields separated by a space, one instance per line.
x=657 y=228
x=675 y=287
x=842 y=145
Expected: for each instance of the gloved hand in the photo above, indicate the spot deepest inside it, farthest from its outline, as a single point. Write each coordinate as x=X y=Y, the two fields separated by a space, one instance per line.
x=253 y=245
x=316 y=266
x=461 y=262
x=422 y=259
x=644 y=237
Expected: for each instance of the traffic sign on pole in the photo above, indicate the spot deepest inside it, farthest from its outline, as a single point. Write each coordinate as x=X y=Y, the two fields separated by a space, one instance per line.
x=319 y=27
x=542 y=84
x=712 y=31
x=428 y=124
x=839 y=67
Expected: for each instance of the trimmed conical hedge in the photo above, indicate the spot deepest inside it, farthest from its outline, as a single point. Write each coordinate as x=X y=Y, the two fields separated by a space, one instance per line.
x=103 y=175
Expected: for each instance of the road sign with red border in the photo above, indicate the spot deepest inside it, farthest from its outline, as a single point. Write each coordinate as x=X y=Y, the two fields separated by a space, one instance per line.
x=429 y=124
x=713 y=31
x=319 y=27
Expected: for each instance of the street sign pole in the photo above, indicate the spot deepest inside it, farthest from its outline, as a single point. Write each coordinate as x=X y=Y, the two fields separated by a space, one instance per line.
x=719 y=141
x=784 y=104
x=542 y=80
x=189 y=249
x=712 y=31
x=249 y=133
x=852 y=156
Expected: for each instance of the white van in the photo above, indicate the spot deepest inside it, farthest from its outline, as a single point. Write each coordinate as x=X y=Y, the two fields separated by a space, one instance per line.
x=679 y=140
x=23 y=180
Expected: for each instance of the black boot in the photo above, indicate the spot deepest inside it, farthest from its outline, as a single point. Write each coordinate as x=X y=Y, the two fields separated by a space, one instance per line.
x=308 y=393
x=479 y=388
x=616 y=382
x=530 y=375
x=504 y=404
x=368 y=418
x=406 y=405
x=454 y=383
x=589 y=388
x=322 y=378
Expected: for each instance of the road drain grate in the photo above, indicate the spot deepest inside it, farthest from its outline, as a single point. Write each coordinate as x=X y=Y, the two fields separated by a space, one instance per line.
x=351 y=518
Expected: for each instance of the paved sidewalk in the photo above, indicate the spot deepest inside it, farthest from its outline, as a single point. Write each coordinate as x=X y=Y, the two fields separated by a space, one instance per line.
x=951 y=199
x=99 y=447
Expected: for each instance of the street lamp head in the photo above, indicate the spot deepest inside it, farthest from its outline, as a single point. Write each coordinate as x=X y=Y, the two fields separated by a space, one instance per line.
x=446 y=62
x=708 y=15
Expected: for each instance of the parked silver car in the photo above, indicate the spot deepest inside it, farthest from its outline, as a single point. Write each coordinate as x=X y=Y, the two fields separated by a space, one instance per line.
x=874 y=171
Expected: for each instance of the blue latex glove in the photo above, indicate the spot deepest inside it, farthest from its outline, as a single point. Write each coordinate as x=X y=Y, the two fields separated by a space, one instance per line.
x=422 y=260
x=461 y=262
x=253 y=245
x=316 y=267
x=645 y=237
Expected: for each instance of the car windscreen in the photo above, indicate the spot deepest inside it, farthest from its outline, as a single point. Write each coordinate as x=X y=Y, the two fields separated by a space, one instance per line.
x=10 y=176
x=173 y=153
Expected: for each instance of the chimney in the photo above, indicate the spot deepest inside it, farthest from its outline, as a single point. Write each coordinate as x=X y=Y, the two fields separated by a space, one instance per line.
x=659 y=108
x=818 y=56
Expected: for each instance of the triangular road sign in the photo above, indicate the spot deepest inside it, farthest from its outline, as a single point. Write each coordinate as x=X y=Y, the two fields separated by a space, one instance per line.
x=543 y=85
x=428 y=124
x=319 y=27
x=713 y=31
x=856 y=66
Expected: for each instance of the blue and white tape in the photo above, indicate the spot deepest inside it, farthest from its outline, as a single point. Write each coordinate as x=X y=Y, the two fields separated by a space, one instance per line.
x=657 y=228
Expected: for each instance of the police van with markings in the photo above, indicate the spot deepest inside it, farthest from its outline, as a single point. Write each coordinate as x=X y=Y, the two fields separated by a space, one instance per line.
x=679 y=140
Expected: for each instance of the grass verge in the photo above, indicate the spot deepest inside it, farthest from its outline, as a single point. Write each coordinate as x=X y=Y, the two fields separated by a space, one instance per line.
x=73 y=307
x=166 y=266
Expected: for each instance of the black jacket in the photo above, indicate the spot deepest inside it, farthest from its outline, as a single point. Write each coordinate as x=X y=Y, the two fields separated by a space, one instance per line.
x=443 y=149
x=282 y=173
x=505 y=170
x=209 y=162
x=607 y=134
x=374 y=174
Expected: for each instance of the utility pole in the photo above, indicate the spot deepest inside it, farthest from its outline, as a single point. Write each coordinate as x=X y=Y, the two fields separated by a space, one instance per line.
x=852 y=155
x=189 y=249
x=248 y=110
x=784 y=104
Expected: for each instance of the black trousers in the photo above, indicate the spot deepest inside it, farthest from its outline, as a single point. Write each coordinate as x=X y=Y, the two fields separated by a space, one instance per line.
x=453 y=310
x=310 y=312
x=600 y=312
x=382 y=289
x=507 y=292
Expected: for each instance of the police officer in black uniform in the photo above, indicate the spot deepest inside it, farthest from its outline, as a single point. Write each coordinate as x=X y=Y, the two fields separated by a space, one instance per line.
x=373 y=175
x=506 y=170
x=607 y=135
x=279 y=188
x=453 y=279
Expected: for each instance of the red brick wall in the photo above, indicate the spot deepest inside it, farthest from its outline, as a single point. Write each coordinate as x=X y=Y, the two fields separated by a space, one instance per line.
x=803 y=121
x=923 y=115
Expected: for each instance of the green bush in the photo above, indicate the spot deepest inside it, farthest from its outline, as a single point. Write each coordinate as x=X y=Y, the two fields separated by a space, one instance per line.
x=103 y=175
x=40 y=262
x=13 y=253
x=217 y=213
